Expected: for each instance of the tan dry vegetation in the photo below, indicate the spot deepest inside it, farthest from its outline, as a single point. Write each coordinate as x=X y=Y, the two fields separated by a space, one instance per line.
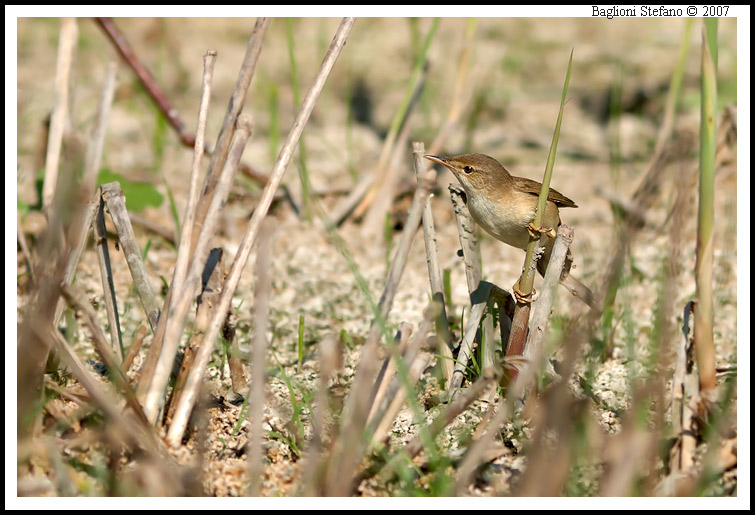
x=516 y=69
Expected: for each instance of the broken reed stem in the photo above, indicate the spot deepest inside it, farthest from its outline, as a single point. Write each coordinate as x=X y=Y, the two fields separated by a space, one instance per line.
x=253 y=227
x=682 y=391
x=116 y=204
x=262 y=273
x=159 y=97
x=346 y=457
x=538 y=322
x=467 y=238
x=442 y=331
x=473 y=271
x=106 y=275
x=206 y=302
x=184 y=249
x=185 y=245
x=222 y=146
x=479 y=305
x=67 y=44
x=177 y=317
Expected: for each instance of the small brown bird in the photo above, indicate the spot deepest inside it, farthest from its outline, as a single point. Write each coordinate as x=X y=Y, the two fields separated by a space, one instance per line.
x=505 y=207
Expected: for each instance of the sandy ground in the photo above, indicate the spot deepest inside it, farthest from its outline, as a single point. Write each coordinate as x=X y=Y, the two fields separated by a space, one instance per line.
x=516 y=75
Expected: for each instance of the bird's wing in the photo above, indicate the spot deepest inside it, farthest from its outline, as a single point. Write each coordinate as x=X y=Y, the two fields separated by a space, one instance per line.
x=530 y=186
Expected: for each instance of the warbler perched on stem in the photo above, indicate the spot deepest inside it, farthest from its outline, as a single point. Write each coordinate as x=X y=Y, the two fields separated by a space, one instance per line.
x=505 y=207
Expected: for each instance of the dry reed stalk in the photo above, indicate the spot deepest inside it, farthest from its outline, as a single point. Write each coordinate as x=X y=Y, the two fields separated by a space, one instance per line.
x=477 y=450
x=387 y=176
x=21 y=237
x=467 y=237
x=235 y=105
x=539 y=321
x=77 y=244
x=111 y=360
x=263 y=279
x=187 y=227
x=350 y=446
x=260 y=212
x=166 y=233
x=453 y=410
x=67 y=44
x=122 y=428
x=388 y=370
x=442 y=330
x=134 y=348
x=462 y=92
x=385 y=408
x=87 y=188
x=691 y=400
x=396 y=398
x=479 y=306
x=161 y=100
x=116 y=204
x=97 y=140
x=206 y=303
x=177 y=318
x=106 y=276
x=330 y=356
x=342 y=210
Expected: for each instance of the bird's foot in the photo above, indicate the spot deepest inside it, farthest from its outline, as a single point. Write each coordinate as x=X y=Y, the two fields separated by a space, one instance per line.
x=521 y=297
x=535 y=232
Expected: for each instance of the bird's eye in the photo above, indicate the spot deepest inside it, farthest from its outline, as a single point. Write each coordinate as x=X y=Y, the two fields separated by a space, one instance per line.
x=468 y=169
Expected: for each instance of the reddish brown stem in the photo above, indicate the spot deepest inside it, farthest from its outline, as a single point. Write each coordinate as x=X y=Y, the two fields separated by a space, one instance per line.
x=157 y=95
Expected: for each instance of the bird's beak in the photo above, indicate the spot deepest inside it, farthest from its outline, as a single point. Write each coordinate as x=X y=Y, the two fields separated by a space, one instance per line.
x=440 y=161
